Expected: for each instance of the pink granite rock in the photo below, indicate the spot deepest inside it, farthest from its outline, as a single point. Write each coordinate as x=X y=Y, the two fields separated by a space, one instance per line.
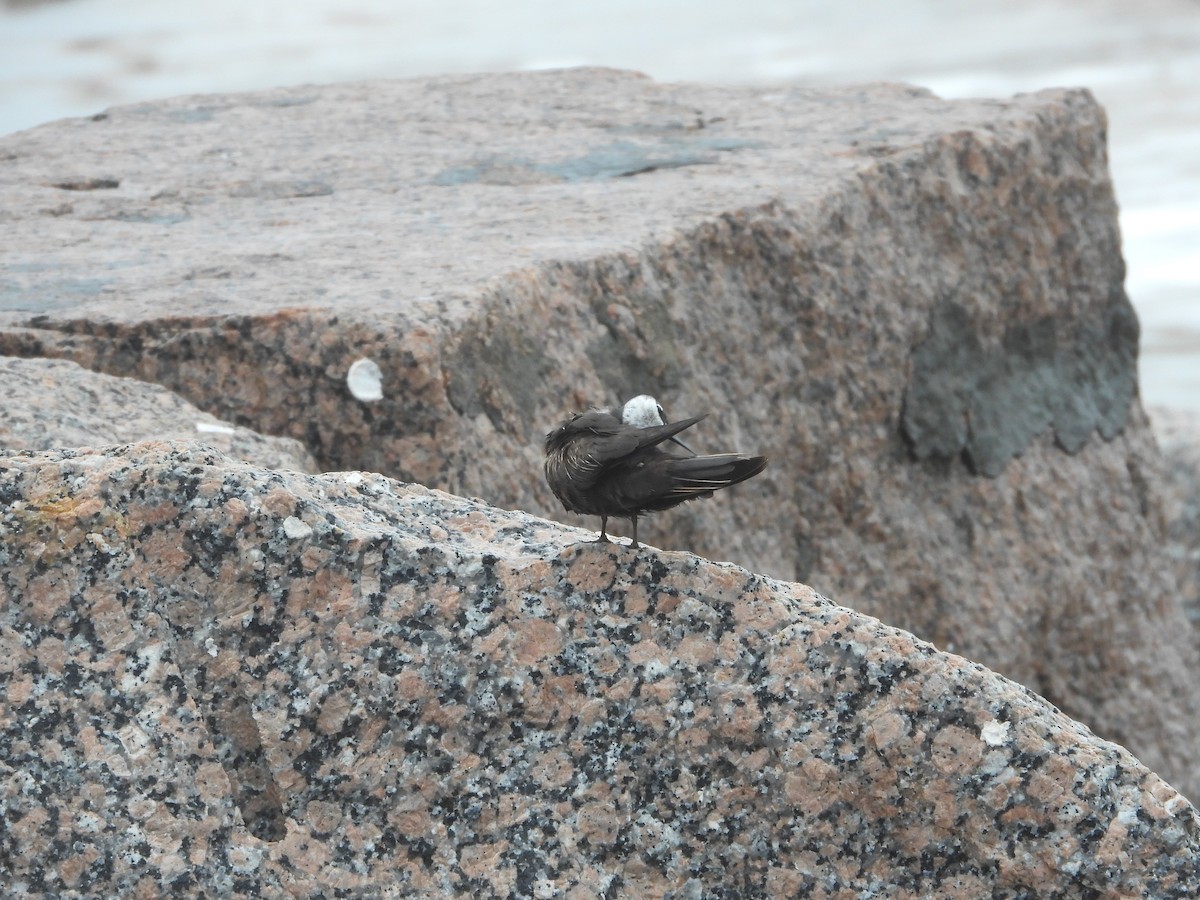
x=56 y=403
x=1178 y=433
x=913 y=306
x=222 y=680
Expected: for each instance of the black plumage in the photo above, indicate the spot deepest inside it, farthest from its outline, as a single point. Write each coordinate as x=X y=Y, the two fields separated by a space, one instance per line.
x=598 y=465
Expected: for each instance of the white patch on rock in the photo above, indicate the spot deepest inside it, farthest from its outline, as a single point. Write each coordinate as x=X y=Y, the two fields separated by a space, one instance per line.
x=1175 y=804
x=655 y=669
x=995 y=734
x=1127 y=815
x=135 y=741
x=214 y=428
x=365 y=380
x=245 y=859
x=296 y=529
x=97 y=540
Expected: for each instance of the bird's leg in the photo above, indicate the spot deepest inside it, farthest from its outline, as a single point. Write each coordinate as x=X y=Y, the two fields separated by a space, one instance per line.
x=603 y=539
x=635 y=544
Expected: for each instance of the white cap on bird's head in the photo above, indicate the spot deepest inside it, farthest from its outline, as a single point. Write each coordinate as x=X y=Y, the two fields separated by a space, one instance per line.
x=643 y=411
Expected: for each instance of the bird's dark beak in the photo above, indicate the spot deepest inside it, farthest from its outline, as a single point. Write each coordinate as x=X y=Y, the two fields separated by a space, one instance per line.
x=676 y=440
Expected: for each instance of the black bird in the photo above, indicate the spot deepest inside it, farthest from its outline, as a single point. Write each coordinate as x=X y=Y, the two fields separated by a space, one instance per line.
x=599 y=465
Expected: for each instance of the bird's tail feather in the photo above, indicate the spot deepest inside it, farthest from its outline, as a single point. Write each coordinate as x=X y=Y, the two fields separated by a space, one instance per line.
x=705 y=474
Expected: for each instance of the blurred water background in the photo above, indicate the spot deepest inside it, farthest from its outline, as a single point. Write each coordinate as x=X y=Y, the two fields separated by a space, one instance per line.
x=1140 y=57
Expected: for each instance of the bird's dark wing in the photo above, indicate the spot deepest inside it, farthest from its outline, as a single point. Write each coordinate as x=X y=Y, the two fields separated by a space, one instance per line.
x=614 y=446
x=587 y=448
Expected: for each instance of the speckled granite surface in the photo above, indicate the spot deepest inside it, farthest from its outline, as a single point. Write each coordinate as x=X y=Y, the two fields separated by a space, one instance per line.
x=913 y=306
x=221 y=680
x=47 y=403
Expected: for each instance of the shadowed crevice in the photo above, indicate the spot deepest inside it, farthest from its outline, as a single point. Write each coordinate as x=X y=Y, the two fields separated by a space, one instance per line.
x=235 y=737
x=239 y=748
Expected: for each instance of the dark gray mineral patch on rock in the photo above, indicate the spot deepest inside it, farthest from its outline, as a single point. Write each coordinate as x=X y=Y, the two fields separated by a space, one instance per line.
x=988 y=399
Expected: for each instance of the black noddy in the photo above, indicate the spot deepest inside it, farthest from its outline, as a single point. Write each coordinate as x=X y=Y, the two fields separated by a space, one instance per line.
x=600 y=465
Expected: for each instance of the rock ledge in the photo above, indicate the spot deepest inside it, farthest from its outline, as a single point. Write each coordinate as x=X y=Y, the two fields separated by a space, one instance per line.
x=224 y=679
